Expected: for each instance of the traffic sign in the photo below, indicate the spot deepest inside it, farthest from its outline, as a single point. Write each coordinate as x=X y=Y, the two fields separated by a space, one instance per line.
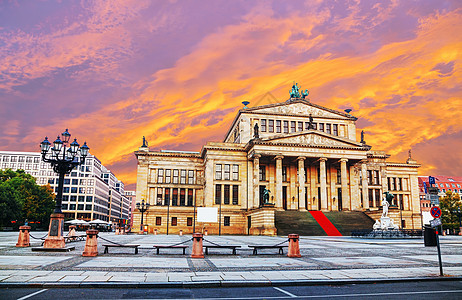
x=435 y=222
x=435 y=211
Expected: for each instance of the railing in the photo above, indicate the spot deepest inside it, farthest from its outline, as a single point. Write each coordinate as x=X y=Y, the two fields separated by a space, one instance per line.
x=397 y=233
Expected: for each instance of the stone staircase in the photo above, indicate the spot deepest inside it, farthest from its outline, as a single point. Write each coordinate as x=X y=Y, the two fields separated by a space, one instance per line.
x=302 y=223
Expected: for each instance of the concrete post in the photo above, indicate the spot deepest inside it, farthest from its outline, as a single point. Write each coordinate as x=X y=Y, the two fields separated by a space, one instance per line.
x=294 y=247
x=91 y=244
x=197 y=250
x=24 y=238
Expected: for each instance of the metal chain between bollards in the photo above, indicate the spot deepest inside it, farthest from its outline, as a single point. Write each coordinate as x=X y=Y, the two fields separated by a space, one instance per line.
x=212 y=242
x=109 y=241
x=42 y=238
x=281 y=242
x=181 y=242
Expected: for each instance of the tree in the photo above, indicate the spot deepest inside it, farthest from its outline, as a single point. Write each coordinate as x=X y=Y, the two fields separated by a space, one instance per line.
x=449 y=205
x=21 y=198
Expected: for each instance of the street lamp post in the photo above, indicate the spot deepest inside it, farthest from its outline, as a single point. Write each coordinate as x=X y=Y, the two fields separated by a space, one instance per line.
x=142 y=207
x=63 y=158
x=460 y=223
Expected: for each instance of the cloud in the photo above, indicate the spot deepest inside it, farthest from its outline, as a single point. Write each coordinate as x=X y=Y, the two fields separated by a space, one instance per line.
x=177 y=74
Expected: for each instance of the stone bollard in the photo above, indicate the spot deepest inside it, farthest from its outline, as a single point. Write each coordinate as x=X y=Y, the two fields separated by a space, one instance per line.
x=155 y=231
x=294 y=248
x=197 y=250
x=205 y=232
x=117 y=231
x=91 y=245
x=181 y=232
x=23 y=239
x=72 y=230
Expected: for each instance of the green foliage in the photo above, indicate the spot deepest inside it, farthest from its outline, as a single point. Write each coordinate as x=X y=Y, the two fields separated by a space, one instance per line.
x=21 y=198
x=449 y=205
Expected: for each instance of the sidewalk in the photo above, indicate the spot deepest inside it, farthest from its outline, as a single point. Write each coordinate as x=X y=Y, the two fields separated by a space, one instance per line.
x=325 y=260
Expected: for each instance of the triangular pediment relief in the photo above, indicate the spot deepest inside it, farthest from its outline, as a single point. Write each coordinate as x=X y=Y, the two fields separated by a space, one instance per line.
x=314 y=138
x=302 y=108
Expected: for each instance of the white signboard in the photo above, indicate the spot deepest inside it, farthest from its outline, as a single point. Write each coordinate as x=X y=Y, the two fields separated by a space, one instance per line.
x=435 y=222
x=207 y=214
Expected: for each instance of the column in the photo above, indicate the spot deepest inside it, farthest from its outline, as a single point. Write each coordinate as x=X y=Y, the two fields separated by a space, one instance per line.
x=301 y=183
x=323 y=182
x=314 y=197
x=333 y=204
x=256 y=180
x=278 y=192
x=345 y=191
x=365 y=187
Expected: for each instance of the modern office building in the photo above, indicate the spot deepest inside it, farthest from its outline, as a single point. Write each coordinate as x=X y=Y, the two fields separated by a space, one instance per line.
x=306 y=155
x=91 y=191
x=131 y=196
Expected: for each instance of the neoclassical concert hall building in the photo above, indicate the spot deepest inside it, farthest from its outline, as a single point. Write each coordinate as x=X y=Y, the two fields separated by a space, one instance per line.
x=303 y=156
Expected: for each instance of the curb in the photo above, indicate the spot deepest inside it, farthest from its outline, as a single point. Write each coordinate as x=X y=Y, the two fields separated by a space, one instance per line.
x=215 y=284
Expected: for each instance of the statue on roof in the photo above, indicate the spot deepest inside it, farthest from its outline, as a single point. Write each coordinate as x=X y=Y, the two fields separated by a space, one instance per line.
x=305 y=93
x=310 y=123
x=295 y=92
x=255 y=131
x=145 y=143
x=362 y=137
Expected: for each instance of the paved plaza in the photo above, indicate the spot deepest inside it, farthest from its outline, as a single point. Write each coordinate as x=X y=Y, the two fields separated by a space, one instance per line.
x=323 y=259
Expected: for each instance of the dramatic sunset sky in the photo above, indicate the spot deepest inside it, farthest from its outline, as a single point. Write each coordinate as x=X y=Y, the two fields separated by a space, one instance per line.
x=177 y=72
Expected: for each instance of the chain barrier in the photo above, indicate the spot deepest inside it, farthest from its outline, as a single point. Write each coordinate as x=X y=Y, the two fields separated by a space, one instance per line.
x=212 y=243
x=281 y=243
x=42 y=238
x=181 y=242
x=109 y=240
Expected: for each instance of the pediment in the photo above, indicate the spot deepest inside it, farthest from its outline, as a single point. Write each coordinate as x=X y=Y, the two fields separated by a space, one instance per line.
x=313 y=138
x=302 y=108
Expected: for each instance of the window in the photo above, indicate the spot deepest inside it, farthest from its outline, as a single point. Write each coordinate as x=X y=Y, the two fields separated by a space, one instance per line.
x=175 y=197
x=328 y=128
x=226 y=221
x=335 y=129
x=262 y=173
x=183 y=177
x=286 y=126
x=321 y=126
x=51 y=181
x=271 y=125
x=13 y=159
x=182 y=197
x=218 y=194
x=226 y=194
x=167 y=197
x=235 y=172
x=160 y=176
x=300 y=126
x=89 y=198
x=235 y=194
x=190 y=197
x=292 y=126
x=83 y=181
x=66 y=189
x=227 y=170
x=218 y=172
x=284 y=173
x=175 y=176
x=88 y=207
x=67 y=181
x=158 y=221
x=168 y=176
x=190 y=177
x=339 y=175
x=263 y=125
x=376 y=177
x=80 y=207
x=159 y=196
x=75 y=181
x=21 y=159
x=73 y=190
x=189 y=221
x=36 y=160
x=278 y=126
x=174 y=221
x=28 y=159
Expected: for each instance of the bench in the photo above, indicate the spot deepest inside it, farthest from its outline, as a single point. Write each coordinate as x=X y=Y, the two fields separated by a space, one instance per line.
x=75 y=238
x=158 y=247
x=280 y=247
x=106 y=247
x=233 y=247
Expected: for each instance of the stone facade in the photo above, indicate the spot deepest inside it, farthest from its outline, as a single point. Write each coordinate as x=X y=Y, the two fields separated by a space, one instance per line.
x=305 y=154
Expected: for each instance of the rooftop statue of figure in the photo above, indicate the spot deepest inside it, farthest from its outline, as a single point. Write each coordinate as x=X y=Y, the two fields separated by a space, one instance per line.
x=145 y=143
x=305 y=93
x=255 y=131
x=295 y=92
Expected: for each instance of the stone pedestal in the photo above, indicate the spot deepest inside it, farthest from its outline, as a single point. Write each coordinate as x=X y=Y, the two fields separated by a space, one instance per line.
x=23 y=239
x=385 y=224
x=72 y=230
x=91 y=244
x=55 y=237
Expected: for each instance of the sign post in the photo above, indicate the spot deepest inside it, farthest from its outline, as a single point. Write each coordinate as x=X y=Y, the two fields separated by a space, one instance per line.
x=435 y=211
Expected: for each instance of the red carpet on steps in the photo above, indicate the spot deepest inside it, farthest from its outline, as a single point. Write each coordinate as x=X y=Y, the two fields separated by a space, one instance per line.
x=324 y=222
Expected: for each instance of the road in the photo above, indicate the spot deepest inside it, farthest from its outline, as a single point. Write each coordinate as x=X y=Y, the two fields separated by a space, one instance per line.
x=401 y=290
